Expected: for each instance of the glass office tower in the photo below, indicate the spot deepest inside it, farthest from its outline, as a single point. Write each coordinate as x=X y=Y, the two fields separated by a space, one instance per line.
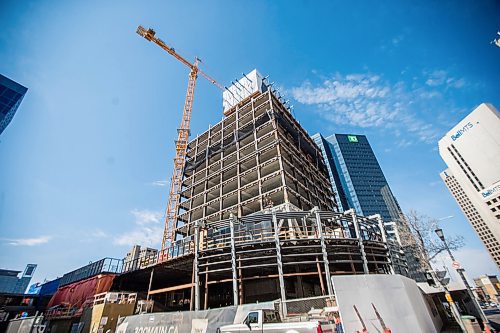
x=359 y=183
x=356 y=176
x=11 y=95
x=328 y=156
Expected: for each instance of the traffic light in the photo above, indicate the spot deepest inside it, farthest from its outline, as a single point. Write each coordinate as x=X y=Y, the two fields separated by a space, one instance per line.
x=430 y=279
x=442 y=280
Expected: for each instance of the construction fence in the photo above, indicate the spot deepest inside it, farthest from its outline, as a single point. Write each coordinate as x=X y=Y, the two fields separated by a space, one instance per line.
x=187 y=321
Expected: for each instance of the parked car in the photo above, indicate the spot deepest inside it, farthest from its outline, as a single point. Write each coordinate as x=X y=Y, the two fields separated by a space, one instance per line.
x=269 y=321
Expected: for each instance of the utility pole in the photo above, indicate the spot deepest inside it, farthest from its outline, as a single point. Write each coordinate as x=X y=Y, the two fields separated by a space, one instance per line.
x=453 y=306
x=460 y=272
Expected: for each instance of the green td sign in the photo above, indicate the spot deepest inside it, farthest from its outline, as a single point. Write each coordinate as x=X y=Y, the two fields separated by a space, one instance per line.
x=352 y=138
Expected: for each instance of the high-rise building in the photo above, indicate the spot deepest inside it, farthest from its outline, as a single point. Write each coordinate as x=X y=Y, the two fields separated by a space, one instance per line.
x=328 y=151
x=11 y=95
x=138 y=257
x=12 y=284
x=471 y=150
x=360 y=184
x=357 y=177
x=257 y=156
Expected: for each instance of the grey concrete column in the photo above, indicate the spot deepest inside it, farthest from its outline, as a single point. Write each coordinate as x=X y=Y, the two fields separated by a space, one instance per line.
x=280 y=264
x=326 y=263
x=233 y=261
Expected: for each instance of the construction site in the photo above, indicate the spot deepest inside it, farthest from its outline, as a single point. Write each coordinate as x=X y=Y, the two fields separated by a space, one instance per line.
x=253 y=216
x=251 y=220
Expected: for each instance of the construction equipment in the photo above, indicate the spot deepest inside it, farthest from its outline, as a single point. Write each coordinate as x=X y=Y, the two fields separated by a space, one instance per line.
x=169 y=233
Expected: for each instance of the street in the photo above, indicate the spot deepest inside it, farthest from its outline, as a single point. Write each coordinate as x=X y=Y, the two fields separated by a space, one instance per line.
x=493 y=315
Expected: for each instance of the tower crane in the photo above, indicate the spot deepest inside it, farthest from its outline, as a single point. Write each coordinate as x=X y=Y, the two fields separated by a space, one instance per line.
x=182 y=137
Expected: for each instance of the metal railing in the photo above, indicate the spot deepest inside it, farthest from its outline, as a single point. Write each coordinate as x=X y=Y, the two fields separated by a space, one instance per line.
x=140 y=263
x=105 y=265
x=65 y=310
x=115 y=297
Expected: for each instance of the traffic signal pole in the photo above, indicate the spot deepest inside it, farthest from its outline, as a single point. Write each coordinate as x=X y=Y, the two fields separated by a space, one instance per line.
x=460 y=272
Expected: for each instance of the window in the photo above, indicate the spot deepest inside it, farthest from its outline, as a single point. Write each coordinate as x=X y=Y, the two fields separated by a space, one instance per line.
x=29 y=270
x=253 y=318
x=270 y=317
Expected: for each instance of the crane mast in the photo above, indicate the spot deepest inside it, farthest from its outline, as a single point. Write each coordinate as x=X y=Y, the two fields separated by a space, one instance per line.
x=169 y=233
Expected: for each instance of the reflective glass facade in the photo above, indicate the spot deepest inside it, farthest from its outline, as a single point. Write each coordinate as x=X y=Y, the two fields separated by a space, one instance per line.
x=328 y=155
x=360 y=184
x=10 y=283
x=11 y=95
x=356 y=176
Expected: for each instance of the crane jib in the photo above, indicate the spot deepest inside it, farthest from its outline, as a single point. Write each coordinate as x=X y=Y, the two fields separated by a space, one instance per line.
x=169 y=233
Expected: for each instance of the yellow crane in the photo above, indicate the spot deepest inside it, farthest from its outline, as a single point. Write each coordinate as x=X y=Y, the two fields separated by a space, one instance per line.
x=182 y=138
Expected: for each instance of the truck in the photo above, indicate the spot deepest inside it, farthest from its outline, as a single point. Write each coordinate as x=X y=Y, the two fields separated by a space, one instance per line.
x=268 y=321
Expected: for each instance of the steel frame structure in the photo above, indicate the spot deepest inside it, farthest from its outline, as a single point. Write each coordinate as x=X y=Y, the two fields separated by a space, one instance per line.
x=257 y=218
x=283 y=247
x=257 y=157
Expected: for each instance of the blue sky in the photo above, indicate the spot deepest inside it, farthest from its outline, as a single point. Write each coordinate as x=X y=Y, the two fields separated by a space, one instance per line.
x=85 y=160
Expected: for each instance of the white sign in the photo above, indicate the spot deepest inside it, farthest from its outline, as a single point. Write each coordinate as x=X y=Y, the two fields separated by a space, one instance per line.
x=455 y=265
x=241 y=89
x=122 y=328
x=199 y=325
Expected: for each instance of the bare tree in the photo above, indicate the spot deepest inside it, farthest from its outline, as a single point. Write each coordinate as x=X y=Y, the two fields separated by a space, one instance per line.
x=422 y=230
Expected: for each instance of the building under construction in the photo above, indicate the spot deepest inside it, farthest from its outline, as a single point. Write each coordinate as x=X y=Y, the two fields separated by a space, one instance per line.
x=258 y=156
x=256 y=219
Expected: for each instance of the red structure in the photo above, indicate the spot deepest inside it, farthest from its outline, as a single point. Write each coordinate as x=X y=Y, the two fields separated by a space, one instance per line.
x=71 y=299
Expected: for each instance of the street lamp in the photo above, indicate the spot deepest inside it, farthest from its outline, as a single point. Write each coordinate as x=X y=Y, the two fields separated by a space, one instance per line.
x=440 y=234
x=460 y=271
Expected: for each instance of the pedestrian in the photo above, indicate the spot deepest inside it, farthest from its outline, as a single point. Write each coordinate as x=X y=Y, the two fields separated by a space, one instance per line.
x=338 y=324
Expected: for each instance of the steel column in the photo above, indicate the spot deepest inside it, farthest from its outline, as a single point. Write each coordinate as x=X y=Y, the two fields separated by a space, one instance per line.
x=326 y=263
x=320 y=274
x=150 y=282
x=384 y=239
x=196 y=268
x=360 y=239
x=280 y=265
x=233 y=261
